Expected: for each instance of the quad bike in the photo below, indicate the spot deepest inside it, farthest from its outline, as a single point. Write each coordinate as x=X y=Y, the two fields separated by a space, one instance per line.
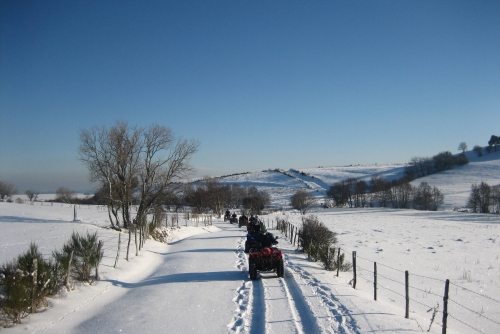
x=242 y=222
x=265 y=259
x=227 y=217
x=233 y=220
x=252 y=232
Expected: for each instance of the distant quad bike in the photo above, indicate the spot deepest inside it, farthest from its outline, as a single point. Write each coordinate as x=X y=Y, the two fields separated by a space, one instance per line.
x=242 y=221
x=227 y=217
x=265 y=259
x=233 y=220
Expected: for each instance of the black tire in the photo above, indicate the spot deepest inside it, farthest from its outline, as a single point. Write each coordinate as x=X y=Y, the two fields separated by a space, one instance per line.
x=281 y=269
x=252 y=270
x=247 y=246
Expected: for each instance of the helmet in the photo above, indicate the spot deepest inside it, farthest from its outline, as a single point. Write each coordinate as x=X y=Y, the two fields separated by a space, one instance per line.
x=263 y=228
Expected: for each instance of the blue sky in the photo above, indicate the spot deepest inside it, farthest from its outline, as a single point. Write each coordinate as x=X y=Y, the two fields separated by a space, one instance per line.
x=261 y=84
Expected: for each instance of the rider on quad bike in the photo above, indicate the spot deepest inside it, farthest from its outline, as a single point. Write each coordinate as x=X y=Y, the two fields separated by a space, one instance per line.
x=265 y=238
x=256 y=224
x=234 y=218
x=264 y=257
x=243 y=220
x=253 y=229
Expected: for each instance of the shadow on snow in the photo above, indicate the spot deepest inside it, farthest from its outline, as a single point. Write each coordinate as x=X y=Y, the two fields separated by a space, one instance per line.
x=235 y=275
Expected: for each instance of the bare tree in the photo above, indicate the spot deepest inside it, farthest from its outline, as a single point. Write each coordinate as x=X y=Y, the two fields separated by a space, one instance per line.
x=302 y=200
x=32 y=195
x=196 y=197
x=255 y=200
x=7 y=190
x=360 y=193
x=379 y=190
x=237 y=194
x=339 y=193
x=437 y=199
x=219 y=196
x=462 y=147
x=495 y=199
x=127 y=158
x=401 y=194
x=423 y=197
x=64 y=195
x=112 y=158
x=479 y=198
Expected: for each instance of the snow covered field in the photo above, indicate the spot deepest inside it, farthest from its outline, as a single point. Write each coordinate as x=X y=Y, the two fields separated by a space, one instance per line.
x=435 y=245
x=199 y=281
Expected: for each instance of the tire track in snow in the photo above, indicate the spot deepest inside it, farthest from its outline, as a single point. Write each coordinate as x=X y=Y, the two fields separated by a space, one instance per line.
x=271 y=304
x=287 y=309
x=341 y=321
x=304 y=310
x=259 y=307
x=250 y=314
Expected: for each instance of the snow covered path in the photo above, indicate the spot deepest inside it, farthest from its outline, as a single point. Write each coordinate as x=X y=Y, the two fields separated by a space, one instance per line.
x=295 y=304
x=191 y=292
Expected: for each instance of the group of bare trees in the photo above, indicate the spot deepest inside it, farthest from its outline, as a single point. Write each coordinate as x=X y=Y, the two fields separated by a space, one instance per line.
x=396 y=194
x=7 y=190
x=484 y=198
x=423 y=166
x=211 y=195
x=134 y=163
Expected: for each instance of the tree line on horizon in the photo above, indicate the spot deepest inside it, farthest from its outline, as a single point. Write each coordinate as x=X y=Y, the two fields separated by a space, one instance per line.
x=398 y=194
x=122 y=158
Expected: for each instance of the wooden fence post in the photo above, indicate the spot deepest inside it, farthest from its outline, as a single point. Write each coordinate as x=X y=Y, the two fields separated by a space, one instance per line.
x=129 y=237
x=445 y=305
x=338 y=262
x=354 y=269
x=407 y=290
x=118 y=252
x=136 y=245
x=375 y=280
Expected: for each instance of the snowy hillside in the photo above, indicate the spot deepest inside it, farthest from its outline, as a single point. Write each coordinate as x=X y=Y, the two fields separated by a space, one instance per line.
x=455 y=184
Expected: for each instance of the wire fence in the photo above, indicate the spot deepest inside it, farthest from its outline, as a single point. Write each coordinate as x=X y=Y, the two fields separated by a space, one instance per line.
x=467 y=311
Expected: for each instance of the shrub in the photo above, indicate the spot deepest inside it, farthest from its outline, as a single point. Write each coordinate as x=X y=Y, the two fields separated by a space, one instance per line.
x=160 y=234
x=318 y=242
x=330 y=259
x=21 y=293
x=87 y=254
x=313 y=231
x=461 y=160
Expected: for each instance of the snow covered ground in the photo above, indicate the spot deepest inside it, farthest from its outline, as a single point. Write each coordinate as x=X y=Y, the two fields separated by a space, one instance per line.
x=199 y=281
